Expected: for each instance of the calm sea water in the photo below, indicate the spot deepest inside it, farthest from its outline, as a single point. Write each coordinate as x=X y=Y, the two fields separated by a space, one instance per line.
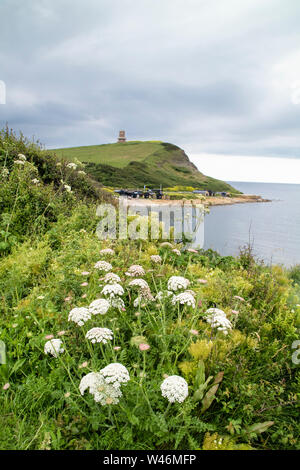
x=273 y=228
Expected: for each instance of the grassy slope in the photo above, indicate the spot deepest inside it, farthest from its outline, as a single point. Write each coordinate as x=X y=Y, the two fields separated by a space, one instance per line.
x=137 y=163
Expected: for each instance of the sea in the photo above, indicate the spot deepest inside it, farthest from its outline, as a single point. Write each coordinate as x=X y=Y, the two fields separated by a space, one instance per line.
x=271 y=228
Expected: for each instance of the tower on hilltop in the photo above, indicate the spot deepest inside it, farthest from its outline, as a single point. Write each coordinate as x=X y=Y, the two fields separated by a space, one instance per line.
x=122 y=137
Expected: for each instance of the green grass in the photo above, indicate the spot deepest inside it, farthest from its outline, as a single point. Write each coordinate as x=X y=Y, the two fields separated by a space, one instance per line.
x=135 y=164
x=116 y=155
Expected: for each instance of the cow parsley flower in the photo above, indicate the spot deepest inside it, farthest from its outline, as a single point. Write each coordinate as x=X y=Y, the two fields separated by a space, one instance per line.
x=22 y=157
x=177 y=252
x=54 y=347
x=81 y=172
x=184 y=298
x=107 y=251
x=4 y=172
x=79 y=315
x=100 y=335
x=117 y=302
x=115 y=374
x=166 y=245
x=102 y=392
x=175 y=389
x=139 y=283
x=177 y=283
x=156 y=259
x=217 y=319
x=112 y=290
x=103 y=266
x=99 y=306
x=67 y=188
x=35 y=181
x=135 y=271
x=72 y=166
x=111 y=278
x=19 y=162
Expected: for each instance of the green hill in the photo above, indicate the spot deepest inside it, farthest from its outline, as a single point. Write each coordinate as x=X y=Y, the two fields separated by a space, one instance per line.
x=135 y=164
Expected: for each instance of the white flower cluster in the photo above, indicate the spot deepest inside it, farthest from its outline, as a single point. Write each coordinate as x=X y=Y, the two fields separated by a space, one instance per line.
x=79 y=315
x=177 y=283
x=105 y=385
x=177 y=252
x=53 y=347
x=72 y=166
x=112 y=290
x=111 y=278
x=22 y=157
x=117 y=302
x=4 y=172
x=107 y=251
x=81 y=172
x=141 y=283
x=217 y=319
x=184 y=298
x=175 y=389
x=103 y=266
x=115 y=374
x=166 y=245
x=67 y=188
x=99 y=306
x=135 y=271
x=35 y=181
x=156 y=259
x=100 y=335
x=103 y=393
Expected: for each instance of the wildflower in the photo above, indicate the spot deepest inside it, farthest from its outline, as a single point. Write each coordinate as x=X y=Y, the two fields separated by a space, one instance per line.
x=139 y=283
x=49 y=337
x=175 y=389
x=177 y=282
x=72 y=166
x=6 y=386
x=102 y=391
x=67 y=395
x=4 y=172
x=115 y=374
x=53 y=347
x=61 y=333
x=202 y=281
x=144 y=347
x=111 y=278
x=84 y=364
x=107 y=251
x=235 y=312
x=99 y=335
x=166 y=245
x=22 y=157
x=145 y=295
x=135 y=271
x=156 y=259
x=112 y=290
x=68 y=299
x=217 y=319
x=67 y=188
x=35 y=181
x=81 y=172
x=79 y=315
x=194 y=332
x=117 y=302
x=84 y=296
x=85 y=273
x=99 y=306
x=177 y=252
x=191 y=250
x=185 y=298
x=103 y=266
x=19 y=162
x=84 y=284
x=117 y=348
x=239 y=298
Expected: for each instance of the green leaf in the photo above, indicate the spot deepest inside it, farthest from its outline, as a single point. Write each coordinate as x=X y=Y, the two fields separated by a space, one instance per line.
x=258 y=428
x=209 y=397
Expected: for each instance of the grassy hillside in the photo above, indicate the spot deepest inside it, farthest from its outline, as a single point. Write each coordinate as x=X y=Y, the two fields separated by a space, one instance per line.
x=135 y=164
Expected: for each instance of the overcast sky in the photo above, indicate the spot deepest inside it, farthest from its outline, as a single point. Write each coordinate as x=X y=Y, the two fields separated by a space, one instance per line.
x=220 y=78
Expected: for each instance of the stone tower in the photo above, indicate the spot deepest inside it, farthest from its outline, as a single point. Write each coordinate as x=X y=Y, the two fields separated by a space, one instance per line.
x=122 y=137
